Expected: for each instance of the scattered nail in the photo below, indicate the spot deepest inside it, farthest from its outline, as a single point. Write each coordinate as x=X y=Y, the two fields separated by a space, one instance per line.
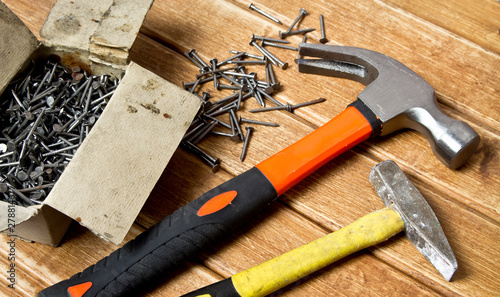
x=245 y=144
x=267 y=15
x=322 y=26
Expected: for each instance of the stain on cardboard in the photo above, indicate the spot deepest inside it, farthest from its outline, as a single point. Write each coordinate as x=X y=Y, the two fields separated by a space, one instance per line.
x=152 y=108
x=124 y=28
x=79 y=220
x=108 y=235
x=71 y=60
x=131 y=109
x=166 y=115
x=68 y=24
x=151 y=84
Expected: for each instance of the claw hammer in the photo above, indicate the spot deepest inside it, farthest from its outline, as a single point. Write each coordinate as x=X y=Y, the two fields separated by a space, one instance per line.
x=395 y=97
x=406 y=210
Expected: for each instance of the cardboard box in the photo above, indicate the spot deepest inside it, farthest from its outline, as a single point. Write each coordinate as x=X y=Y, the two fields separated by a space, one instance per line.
x=116 y=167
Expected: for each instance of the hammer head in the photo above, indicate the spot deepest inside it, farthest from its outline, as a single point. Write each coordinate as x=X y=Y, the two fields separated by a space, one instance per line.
x=397 y=96
x=421 y=225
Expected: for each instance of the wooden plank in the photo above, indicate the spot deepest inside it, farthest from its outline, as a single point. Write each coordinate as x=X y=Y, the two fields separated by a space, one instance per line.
x=465 y=201
x=478 y=21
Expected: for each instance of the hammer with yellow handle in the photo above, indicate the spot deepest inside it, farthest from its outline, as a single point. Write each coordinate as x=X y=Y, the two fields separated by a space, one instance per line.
x=406 y=211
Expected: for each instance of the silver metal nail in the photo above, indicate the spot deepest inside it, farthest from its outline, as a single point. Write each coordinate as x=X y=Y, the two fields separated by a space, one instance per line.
x=322 y=25
x=302 y=13
x=245 y=144
x=267 y=15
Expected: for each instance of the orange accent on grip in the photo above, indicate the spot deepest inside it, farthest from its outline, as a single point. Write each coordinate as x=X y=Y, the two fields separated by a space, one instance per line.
x=79 y=290
x=289 y=166
x=217 y=203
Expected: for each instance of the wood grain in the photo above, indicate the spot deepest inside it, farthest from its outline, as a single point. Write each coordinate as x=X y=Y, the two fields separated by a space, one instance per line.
x=453 y=46
x=476 y=21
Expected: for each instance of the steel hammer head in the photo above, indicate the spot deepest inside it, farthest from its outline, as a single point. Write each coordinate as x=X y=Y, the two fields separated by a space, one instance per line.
x=397 y=96
x=421 y=225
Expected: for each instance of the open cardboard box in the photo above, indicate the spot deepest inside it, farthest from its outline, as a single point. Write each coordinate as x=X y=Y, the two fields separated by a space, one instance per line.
x=116 y=167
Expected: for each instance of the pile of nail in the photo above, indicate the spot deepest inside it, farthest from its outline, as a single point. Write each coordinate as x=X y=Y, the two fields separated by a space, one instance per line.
x=44 y=117
x=232 y=74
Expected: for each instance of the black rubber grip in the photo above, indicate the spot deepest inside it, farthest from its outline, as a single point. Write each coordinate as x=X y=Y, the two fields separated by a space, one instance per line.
x=224 y=288
x=165 y=246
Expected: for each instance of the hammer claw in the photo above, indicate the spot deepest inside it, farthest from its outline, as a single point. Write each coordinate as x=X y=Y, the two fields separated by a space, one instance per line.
x=333 y=68
x=398 y=97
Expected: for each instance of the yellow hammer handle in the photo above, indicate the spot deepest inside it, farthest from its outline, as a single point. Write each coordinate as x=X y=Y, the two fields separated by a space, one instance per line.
x=274 y=274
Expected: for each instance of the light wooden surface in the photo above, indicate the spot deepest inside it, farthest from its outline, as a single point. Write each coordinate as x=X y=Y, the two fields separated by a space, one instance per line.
x=454 y=46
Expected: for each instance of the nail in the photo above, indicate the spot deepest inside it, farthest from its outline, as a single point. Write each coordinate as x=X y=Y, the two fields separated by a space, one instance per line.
x=213 y=62
x=196 y=83
x=284 y=107
x=188 y=85
x=247 y=62
x=308 y=103
x=302 y=13
x=269 y=39
x=270 y=98
x=288 y=107
x=250 y=75
x=245 y=144
x=265 y=53
x=322 y=25
x=272 y=18
x=221 y=133
x=237 y=56
x=274 y=83
x=297 y=32
x=187 y=55
x=192 y=132
x=61 y=150
x=203 y=133
x=264 y=43
x=272 y=58
x=245 y=54
x=202 y=155
x=236 y=124
x=195 y=56
x=249 y=121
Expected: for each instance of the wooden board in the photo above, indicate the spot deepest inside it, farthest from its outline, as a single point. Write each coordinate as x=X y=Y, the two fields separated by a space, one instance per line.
x=454 y=47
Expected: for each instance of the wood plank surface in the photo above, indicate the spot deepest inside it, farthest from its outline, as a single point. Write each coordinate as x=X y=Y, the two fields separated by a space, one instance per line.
x=453 y=46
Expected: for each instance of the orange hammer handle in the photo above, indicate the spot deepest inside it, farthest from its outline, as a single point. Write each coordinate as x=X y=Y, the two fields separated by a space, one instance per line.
x=289 y=166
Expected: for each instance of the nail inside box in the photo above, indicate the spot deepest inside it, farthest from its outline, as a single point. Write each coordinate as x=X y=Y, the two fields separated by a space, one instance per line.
x=45 y=114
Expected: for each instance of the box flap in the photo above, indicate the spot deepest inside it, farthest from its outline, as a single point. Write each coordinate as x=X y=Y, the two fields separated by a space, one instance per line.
x=19 y=215
x=113 y=172
x=98 y=31
x=48 y=226
x=17 y=44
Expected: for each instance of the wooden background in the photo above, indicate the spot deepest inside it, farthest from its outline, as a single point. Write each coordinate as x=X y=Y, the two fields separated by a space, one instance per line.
x=454 y=45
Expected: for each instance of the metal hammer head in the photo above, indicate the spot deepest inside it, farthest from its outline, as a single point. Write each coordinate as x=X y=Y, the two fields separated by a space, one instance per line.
x=421 y=225
x=397 y=96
